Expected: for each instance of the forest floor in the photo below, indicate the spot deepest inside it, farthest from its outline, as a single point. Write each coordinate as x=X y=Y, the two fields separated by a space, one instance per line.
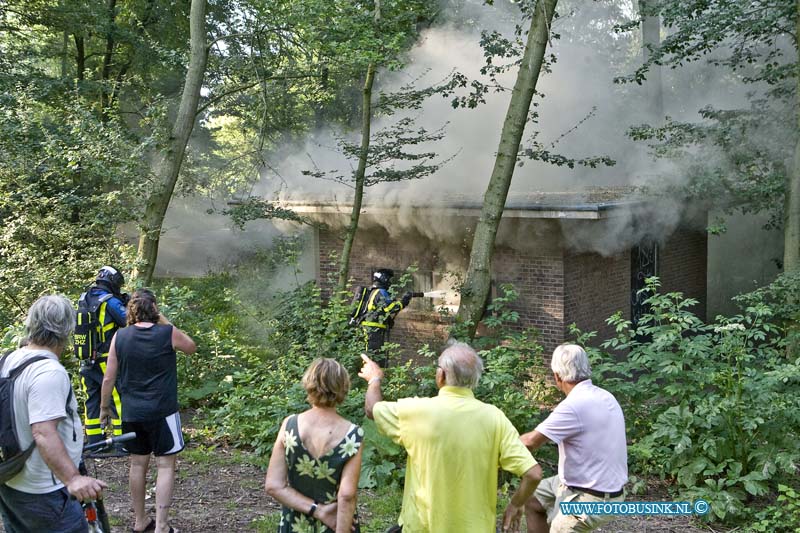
x=222 y=490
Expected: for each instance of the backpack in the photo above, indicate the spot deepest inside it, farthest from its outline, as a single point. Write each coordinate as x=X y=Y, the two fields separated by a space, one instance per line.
x=359 y=305
x=12 y=456
x=87 y=327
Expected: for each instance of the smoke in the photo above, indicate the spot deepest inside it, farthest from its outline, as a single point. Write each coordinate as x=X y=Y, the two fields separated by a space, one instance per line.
x=578 y=92
x=196 y=241
x=583 y=113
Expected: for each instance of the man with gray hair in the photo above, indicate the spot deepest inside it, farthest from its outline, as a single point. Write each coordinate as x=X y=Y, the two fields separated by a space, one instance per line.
x=589 y=428
x=45 y=410
x=455 y=446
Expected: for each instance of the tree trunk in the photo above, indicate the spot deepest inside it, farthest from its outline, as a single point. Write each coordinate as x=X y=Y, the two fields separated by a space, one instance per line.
x=361 y=170
x=791 y=232
x=64 y=54
x=791 y=221
x=167 y=162
x=478 y=280
x=358 y=195
x=651 y=39
x=80 y=57
x=108 y=55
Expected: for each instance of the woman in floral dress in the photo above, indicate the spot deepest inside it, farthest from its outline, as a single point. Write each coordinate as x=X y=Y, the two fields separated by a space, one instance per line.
x=316 y=460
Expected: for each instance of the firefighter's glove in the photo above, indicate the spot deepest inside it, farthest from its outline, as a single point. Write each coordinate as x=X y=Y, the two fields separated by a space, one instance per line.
x=406 y=299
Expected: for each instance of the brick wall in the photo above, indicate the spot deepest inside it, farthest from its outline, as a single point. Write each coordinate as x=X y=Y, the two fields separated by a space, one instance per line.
x=682 y=266
x=554 y=289
x=596 y=287
x=539 y=281
x=376 y=249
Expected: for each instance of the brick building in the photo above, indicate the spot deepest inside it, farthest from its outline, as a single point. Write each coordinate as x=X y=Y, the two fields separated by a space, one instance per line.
x=571 y=260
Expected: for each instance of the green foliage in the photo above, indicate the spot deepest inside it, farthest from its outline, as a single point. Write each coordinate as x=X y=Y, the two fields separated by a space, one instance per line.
x=248 y=387
x=713 y=407
x=299 y=329
x=749 y=36
x=737 y=156
x=60 y=198
x=209 y=312
x=782 y=516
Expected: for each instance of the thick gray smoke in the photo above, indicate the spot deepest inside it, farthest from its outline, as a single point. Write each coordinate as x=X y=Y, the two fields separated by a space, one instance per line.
x=589 y=56
x=579 y=91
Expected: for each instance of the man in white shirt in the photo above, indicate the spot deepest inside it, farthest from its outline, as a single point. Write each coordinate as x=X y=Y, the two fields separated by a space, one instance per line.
x=589 y=428
x=38 y=498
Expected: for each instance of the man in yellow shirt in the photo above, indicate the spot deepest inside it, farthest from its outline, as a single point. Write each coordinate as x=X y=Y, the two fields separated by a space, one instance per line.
x=455 y=446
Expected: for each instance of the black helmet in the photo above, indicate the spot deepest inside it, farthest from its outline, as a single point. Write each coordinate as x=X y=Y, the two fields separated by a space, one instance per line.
x=383 y=277
x=112 y=277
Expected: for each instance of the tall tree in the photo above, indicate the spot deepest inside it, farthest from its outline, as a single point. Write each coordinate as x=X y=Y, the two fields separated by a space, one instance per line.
x=651 y=39
x=477 y=283
x=388 y=155
x=167 y=162
x=360 y=173
x=358 y=178
x=791 y=232
x=746 y=157
x=363 y=40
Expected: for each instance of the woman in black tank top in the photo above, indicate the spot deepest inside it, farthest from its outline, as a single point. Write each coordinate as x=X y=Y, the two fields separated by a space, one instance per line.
x=143 y=364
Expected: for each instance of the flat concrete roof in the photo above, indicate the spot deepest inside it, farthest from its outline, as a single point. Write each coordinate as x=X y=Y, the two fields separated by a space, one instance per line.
x=591 y=205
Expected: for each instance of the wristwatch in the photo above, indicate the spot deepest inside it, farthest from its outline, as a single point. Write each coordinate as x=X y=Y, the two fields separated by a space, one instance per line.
x=311 y=511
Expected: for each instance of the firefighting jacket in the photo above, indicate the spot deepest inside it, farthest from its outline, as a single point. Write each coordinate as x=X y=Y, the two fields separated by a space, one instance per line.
x=381 y=309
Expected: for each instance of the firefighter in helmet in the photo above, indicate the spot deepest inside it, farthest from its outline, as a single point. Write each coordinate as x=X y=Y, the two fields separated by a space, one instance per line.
x=104 y=305
x=380 y=313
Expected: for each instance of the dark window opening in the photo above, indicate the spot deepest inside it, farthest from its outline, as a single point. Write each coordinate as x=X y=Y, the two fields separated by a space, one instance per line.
x=644 y=264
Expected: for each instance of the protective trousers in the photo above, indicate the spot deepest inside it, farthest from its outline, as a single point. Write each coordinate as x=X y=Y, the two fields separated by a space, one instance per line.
x=374 y=339
x=92 y=380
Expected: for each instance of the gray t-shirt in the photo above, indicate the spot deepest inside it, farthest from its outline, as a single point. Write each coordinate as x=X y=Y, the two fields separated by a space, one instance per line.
x=40 y=394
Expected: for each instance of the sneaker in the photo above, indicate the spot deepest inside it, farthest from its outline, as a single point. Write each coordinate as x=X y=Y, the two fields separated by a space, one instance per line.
x=115 y=451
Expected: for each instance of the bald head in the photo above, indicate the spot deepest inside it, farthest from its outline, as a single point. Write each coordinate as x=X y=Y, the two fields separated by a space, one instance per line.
x=461 y=365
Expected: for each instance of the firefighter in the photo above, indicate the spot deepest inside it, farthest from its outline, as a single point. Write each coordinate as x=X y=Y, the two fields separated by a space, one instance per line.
x=380 y=313
x=105 y=303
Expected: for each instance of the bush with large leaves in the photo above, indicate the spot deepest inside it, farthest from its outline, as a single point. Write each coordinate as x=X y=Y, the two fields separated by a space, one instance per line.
x=714 y=407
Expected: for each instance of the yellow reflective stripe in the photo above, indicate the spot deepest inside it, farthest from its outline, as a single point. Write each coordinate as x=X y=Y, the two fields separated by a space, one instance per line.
x=393 y=305
x=85 y=410
x=374 y=324
x=371 y=301
x=101 y=318
x=97 y=431
x=80 y=339
x=114 y=393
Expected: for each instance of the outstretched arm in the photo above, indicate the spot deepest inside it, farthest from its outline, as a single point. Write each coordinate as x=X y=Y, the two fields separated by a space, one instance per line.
x=533 y=440
x=530 y=480
x=373 y=375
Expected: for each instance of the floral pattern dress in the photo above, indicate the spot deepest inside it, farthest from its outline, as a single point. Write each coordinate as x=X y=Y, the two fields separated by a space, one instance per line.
x=316 y=478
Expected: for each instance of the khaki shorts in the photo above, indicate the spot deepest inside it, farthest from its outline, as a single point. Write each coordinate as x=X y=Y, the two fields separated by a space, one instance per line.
x=551 y=492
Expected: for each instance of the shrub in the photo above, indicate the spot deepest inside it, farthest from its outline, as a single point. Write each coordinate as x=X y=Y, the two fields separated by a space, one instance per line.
x=781 y=517
x=305 y=326
x=714 y=407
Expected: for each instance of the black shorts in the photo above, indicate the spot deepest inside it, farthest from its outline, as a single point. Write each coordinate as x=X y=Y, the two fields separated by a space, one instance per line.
x=160 y=437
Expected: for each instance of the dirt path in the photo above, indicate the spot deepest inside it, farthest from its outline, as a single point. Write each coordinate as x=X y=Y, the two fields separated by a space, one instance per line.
x=214 y=491
x=221 y=490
